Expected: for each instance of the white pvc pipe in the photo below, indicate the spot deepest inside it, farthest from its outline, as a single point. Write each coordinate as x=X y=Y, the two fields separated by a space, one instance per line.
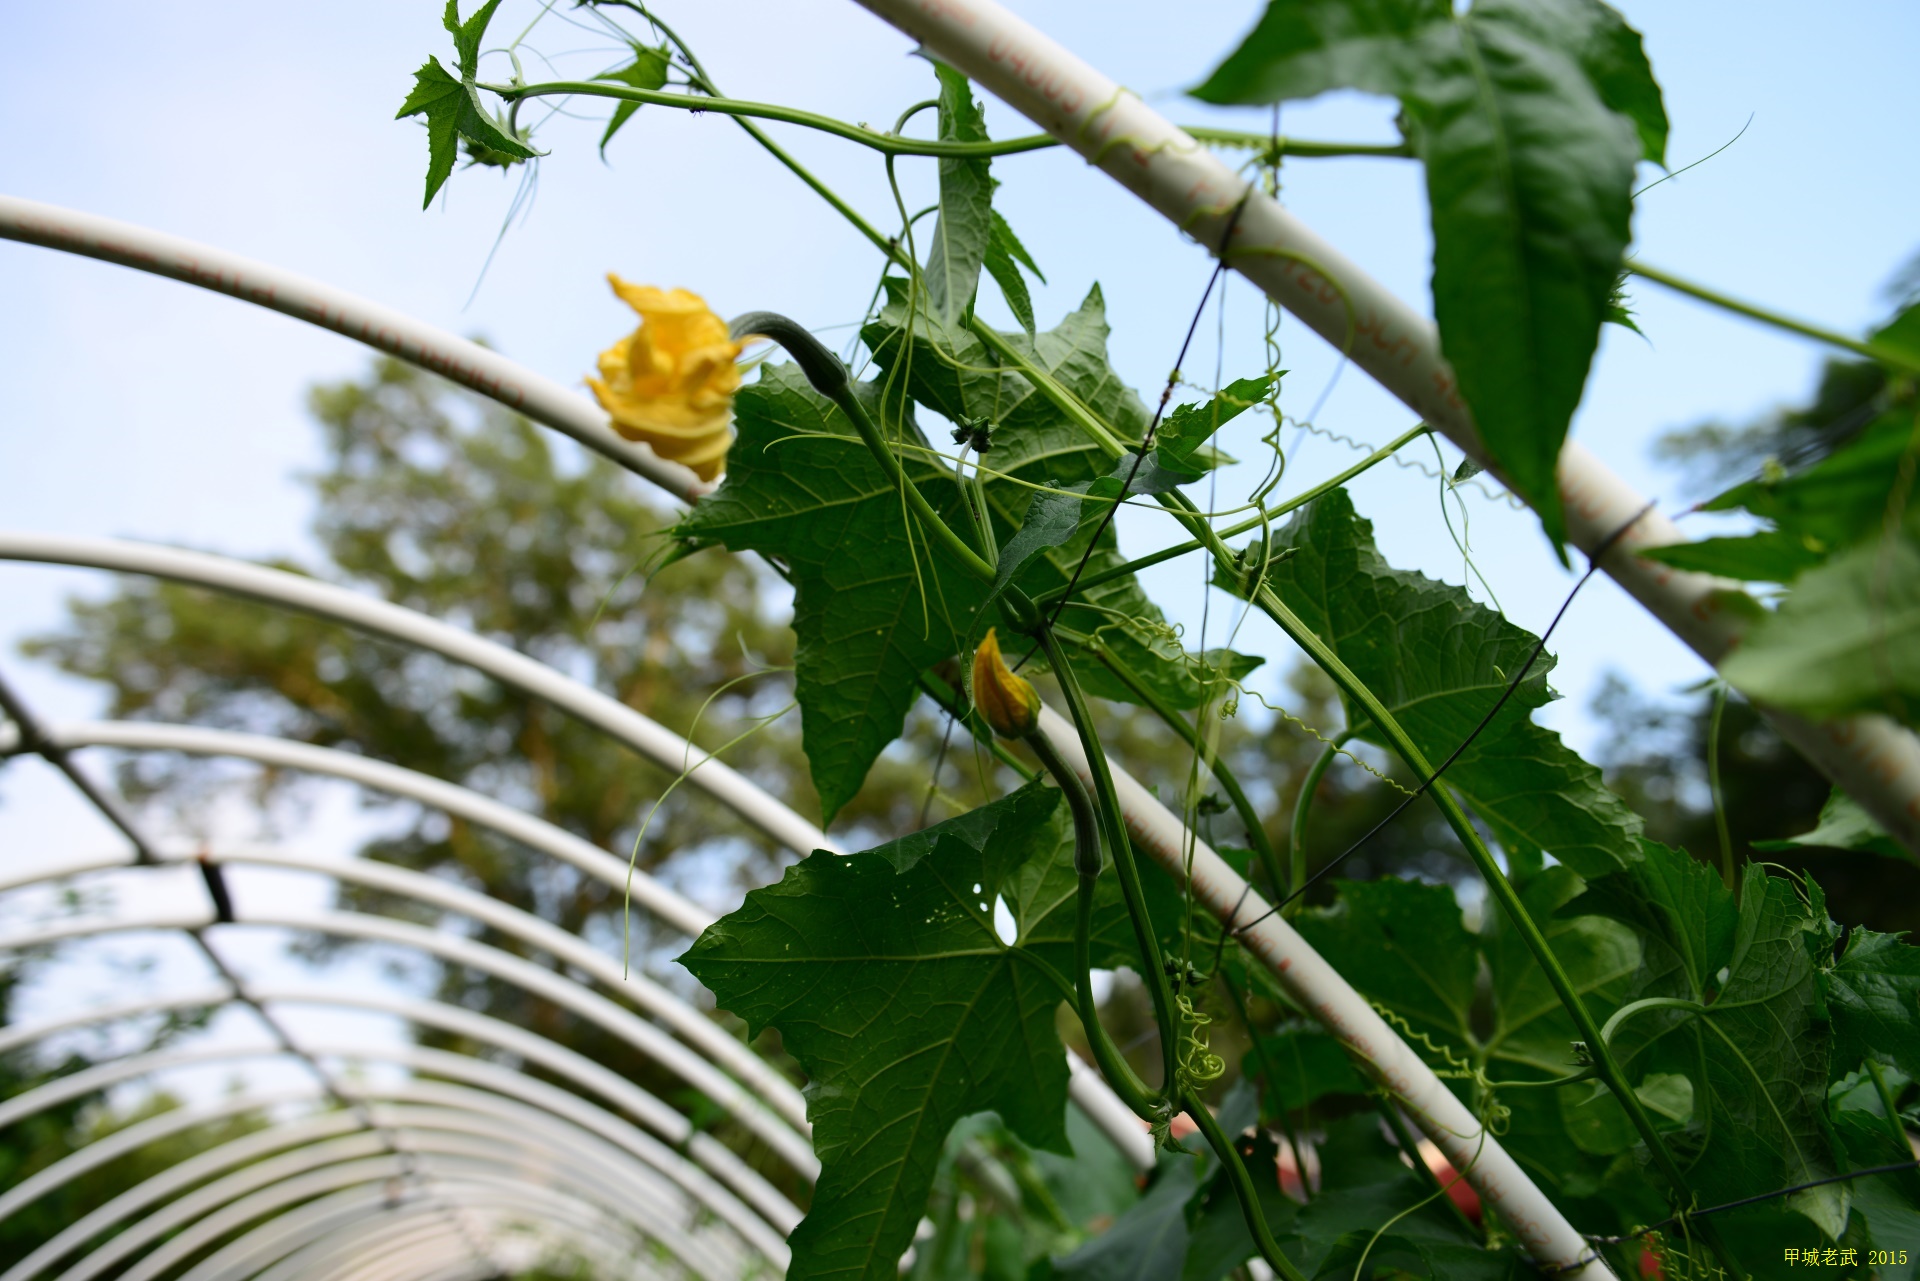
x=272 y=1194
x=641 y=1036
x=397 y=334
x=1872 y=758
x=658 y=900
x=594 y=1182
x=654 y=742
x=97 y=1152
x=1331 y=999
x=683 y=914
x=523 y=974
x=714 y=1156
x=490 y=1078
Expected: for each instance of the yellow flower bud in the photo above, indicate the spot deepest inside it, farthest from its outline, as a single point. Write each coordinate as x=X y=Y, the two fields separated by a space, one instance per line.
x=1008 y=702
x=670 y=382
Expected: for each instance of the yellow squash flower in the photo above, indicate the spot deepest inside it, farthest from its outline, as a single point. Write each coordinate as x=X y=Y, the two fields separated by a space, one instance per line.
x=670 y=382
x=1007 y=700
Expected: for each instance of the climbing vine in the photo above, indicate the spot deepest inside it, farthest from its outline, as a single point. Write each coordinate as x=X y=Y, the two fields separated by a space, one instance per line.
x=1699 y=1068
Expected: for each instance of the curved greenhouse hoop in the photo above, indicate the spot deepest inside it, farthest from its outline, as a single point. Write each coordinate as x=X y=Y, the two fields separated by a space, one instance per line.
x=712 y=1158
x=682 y=1018
x=642 y=1037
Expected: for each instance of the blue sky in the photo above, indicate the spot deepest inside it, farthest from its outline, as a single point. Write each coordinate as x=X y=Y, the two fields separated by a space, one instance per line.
x=139 y=407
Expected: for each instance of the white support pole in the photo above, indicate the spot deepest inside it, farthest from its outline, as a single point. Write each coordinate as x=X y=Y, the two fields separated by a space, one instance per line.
x=641 y=1036
x=1871 y=757
x=663 y=903
x=1321 y=991
x=712 y=1156
x=397 y=334
x=623 y=724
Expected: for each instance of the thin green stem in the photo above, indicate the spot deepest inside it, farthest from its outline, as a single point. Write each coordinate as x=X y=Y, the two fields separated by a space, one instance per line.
x=1120 y=849
x=1895 y=1126
x=1713 y=786
x=1297 y=832
x=1170 y=716
x=1087 y=861
x=1411 y=1146
x=1273 y=148
x=1774 y=318
x=1272 y=1077
x=1243 y=1189
x=1632 y=1008
x=829 y=377
x=944 y=695
x=1299 y=500
x=893 y=144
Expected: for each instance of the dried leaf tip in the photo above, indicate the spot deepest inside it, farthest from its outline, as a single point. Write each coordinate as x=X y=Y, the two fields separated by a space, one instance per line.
x=1008 y=701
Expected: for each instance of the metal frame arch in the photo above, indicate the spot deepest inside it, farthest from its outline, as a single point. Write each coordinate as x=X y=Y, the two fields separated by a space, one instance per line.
x=679 y=1015
x=540 y=1166
x=271 y=1241
x=709 y=1153
x=131 y=1139
x=491 y=1079
x=476 y=1183
x=1087 y=1088
x=323 y=1254
x=651 y=740
x=526 y=976
x=234 y=1214
x=396 y=780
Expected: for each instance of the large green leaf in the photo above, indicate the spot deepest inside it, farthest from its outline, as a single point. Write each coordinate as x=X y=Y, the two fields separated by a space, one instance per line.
x=965 y=223
x=1757 y=1058
x=1873 y=996
x=1888 y=1203
x=874 y=603
x=1843 y=825
x=1439 y=662
x=1846 y=639
x=1405 y=947
x=1529 y=116
x=1837 y=501
x=888 y=984
x=953 y=373
x=1771 y=556
x=1149 y=1241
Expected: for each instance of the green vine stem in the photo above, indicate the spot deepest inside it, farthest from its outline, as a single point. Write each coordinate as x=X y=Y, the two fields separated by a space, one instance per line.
x=1411 y=1147
x=950 y=701
x=1727 y=873
x=1752 y=312
x=1895 y=1126
x=1087 y=861
x=1120 y=848
x=1297 y=831
x=1269 y=1073
x=1223 y=774
x=893 y=144
x=1243 y=1189
x=1266 y=516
